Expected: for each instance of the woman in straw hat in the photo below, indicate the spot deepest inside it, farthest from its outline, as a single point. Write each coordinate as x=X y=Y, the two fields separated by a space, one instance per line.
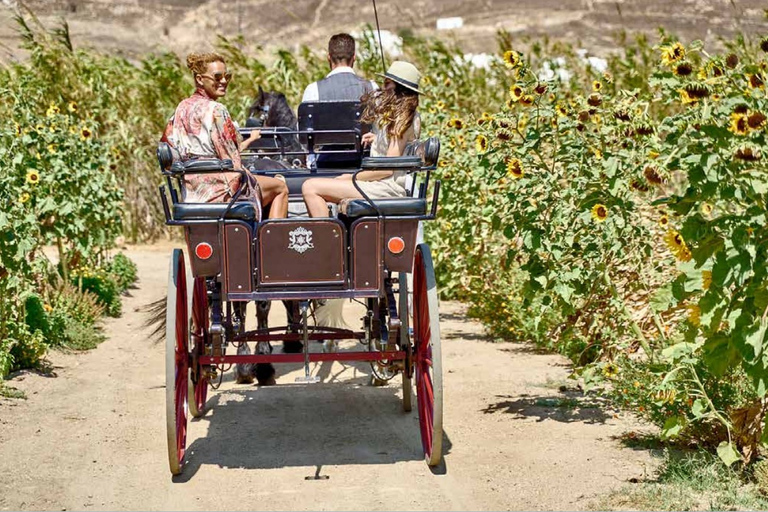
x=395 y=123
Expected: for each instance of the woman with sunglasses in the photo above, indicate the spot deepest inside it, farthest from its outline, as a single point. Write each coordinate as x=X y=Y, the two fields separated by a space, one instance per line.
x=201 y=127
x=395 y=122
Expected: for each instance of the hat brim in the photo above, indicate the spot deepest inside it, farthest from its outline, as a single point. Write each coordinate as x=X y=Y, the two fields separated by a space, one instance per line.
x=404 y=83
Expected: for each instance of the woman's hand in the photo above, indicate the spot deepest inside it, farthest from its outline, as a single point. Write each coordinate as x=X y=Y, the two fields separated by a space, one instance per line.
x=254 y=136
x=368 y=139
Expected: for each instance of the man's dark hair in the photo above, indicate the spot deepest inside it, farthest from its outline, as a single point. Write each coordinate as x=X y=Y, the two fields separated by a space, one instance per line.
x=341 y=48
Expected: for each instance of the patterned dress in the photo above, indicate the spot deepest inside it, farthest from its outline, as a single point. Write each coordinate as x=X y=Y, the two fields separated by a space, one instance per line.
x=203 y=128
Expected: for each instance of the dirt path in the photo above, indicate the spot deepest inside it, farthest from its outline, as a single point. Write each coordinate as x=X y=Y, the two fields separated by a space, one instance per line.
x=93 y=435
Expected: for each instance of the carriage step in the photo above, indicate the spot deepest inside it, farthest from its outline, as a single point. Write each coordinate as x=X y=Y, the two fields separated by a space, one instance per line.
x=308 y=379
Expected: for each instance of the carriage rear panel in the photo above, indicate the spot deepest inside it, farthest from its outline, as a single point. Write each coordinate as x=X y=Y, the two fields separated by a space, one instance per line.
x=203 y=234
x=301 y=252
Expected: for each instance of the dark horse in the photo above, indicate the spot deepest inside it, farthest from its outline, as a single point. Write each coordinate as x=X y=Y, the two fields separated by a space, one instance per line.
x=271 y=110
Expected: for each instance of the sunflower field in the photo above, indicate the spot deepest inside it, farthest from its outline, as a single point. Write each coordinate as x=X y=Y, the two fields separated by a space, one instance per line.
x=615 y=214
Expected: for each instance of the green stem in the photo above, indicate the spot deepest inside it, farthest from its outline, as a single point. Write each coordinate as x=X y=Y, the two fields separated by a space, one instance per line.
x=632 y=324
x=62 y=259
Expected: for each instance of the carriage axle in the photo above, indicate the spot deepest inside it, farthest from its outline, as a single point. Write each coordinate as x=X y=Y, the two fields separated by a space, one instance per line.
x=398 y=355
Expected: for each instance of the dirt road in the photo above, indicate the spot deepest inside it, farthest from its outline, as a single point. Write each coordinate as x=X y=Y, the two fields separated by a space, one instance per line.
x=92 y=436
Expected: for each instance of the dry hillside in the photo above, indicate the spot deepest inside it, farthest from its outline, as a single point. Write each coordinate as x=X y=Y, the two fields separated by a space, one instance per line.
x=134 y=27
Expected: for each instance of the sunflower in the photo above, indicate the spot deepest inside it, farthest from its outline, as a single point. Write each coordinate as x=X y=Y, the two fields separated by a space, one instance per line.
x=599 y=212
x=608 y=77
x=694 y=314
x=756 y=81
x=683 y=68
x=515 y=169
x=748 y=153
x=85 y=133
x=440 y=105
x=501 y=122
x=756 y=120
x=561 y=110
x=706 y=209
x=540 y=89
x=739 y=124
x=52 y=149
x=597 y=85
x=664 y=221
x=611 y=370
x=17 y=129
x=672 y=53
x=701 y=74
x=72 y=107
x=447 y=81
x=33 y=177
x=432 y=110
x=677 y=245
x=503 y=134
x=481 y=143
x=516 y=92
x=52 y=110
x=527 y=100
x=485 y=117
x=510 y=104
x=706 y=279
x=653 y=176
x=731 y=60
x=594 y=99
x=24 y=197
x=53 y=128
x=511 y=59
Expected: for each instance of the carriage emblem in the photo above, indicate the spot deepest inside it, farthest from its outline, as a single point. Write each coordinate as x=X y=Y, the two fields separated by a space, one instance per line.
x=300 y=240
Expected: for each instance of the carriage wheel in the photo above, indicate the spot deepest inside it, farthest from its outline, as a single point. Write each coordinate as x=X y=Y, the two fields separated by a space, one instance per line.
x=199 y=325
x=176 y=362
x=427 y=356
x=405 y=342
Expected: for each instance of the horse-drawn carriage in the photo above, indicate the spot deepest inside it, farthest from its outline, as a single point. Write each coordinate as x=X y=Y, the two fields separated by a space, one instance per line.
x=366 y=252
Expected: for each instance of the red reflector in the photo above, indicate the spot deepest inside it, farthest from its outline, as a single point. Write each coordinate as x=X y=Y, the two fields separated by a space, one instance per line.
x=204 y=251
x=396 y=245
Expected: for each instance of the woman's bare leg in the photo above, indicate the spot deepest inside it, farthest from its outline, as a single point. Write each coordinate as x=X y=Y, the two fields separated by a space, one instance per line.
x=274 y=192
x=318 y=192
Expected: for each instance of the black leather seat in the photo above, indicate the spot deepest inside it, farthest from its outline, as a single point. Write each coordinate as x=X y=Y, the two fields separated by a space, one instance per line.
x=197 y=211
x=391 y=162
x=391 y=207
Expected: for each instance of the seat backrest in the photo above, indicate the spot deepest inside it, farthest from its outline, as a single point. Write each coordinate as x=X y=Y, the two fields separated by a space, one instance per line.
x=340 y=117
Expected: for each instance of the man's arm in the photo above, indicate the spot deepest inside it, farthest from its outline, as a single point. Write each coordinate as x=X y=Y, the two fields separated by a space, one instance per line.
x=311 y=93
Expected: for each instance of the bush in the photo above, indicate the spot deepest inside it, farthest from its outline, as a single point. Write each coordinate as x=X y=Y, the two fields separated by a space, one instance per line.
x=123 y=271
x=102 y=285
x=28 y=350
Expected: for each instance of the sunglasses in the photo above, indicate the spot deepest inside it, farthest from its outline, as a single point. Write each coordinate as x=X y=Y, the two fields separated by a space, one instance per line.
x=219 y=77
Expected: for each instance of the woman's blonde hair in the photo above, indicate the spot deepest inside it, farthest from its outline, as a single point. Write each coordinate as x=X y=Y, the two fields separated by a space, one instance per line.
x=391 y=110
x=198 y=62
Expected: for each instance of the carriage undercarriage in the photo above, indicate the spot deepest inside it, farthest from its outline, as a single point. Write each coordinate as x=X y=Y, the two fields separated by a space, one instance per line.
x=368 y=254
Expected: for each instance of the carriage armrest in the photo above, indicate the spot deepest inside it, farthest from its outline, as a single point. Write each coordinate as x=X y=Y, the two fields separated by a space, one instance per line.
x=391 y=162
x=201 y=166
x=406 y=206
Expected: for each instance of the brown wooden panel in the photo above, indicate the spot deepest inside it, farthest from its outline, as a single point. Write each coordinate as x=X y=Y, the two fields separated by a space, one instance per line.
x=306 y=251
x=407 y=230
x=204 y=233
x=238 y=274
x=366 y=253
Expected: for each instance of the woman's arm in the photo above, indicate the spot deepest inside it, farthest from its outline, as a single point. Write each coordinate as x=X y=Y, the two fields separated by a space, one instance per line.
x=255 y=135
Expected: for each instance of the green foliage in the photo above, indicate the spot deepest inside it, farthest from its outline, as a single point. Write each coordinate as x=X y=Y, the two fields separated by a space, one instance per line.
x=28 y=350
x=123 y=271
x=102 y=285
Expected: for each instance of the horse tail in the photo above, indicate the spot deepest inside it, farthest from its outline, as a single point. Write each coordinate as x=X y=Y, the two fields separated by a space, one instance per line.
x=156 y=314
x=331 y=314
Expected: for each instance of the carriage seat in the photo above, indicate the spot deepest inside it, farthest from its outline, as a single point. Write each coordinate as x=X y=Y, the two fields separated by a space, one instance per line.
x=391 y=162
x=205 y=211
x=390 y=207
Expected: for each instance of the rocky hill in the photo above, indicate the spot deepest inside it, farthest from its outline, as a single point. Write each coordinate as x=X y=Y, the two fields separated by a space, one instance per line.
x=134 y=27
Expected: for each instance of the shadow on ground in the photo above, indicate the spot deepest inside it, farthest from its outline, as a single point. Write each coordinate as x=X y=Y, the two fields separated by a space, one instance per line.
x=340 y=422
x=565 y=409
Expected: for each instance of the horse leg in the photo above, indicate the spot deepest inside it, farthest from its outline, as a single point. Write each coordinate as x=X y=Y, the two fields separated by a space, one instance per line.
x=243 y=371
x=294 y=326
x=264 y=372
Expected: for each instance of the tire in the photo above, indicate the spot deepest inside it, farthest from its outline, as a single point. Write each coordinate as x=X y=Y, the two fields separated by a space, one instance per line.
x=405 y=342
x=200 y=321
x=427 y=356
x=176 y=362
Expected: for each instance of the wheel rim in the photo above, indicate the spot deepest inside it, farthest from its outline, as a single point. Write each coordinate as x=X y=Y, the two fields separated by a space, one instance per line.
x=177 y=362
x=427 y=364
x=199 y=337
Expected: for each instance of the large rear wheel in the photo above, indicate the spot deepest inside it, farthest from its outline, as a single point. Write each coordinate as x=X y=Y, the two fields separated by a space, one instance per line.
x=176 y=362
x=199 y=331
x=427 y=356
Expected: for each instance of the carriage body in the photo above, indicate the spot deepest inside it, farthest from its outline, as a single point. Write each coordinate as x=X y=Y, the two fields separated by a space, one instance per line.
x=365 y=252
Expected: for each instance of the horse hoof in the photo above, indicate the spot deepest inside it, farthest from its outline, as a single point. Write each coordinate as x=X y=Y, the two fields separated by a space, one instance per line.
x=292 y=347
x=265 y=374
x=244 y=379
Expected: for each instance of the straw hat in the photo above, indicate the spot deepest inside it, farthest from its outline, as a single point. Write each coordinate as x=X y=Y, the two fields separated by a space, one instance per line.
x=405 y=74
